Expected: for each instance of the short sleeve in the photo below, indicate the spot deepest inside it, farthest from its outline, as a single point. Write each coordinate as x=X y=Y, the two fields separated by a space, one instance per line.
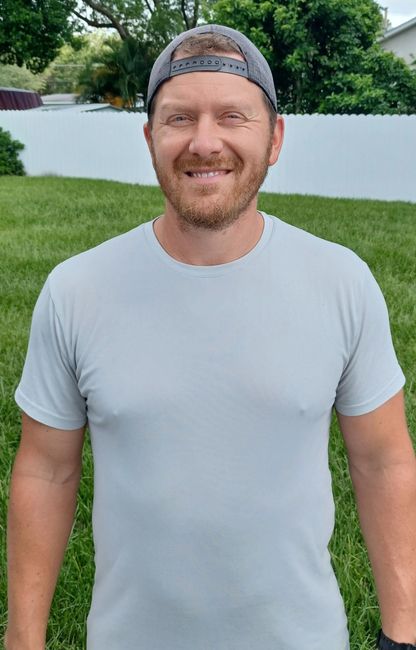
x=48 y=390
x=372 y=374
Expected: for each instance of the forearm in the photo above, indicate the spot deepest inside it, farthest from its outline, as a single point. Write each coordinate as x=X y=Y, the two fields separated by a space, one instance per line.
x=386 y=500
x=40 y=518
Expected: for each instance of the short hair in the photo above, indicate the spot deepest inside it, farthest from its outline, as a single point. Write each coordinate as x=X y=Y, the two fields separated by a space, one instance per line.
x=202 y=44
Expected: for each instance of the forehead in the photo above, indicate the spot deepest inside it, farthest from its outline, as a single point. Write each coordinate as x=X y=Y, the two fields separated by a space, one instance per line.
x=198 y=88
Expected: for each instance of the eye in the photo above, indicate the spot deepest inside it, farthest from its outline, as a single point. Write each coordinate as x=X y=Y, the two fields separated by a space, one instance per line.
x=233 y=117
x=179 y=119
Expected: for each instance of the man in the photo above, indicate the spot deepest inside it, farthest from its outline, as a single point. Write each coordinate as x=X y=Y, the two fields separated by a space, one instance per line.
x=206 y=350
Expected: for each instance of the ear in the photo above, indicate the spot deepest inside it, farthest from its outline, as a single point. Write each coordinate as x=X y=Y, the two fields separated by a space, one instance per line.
x=148 y=137
x=277 y=140
x=147 y=134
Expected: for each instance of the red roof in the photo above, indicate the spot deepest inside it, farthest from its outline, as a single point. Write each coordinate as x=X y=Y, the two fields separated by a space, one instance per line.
x=18 y=100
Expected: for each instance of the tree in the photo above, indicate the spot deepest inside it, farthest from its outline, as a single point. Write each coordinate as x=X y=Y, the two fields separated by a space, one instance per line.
x=160 y=19
x=133 y=66
x=14 y=76
x=122 y=73
x=144 y=27
x=386 y=85
x=31 y=31
x=323 y=54
x=63 y=73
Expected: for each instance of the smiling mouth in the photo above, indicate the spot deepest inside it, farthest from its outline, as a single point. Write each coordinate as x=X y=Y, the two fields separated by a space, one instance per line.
x=208 y=174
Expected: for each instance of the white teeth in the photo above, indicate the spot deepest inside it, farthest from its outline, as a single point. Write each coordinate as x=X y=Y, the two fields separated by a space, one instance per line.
x=205 y=174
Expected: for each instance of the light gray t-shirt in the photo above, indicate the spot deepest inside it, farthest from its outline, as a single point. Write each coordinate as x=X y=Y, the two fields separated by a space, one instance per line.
x=208 y=392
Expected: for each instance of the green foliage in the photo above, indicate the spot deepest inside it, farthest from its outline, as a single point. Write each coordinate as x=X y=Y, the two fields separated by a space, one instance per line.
x=63 y=73
x=133 y=66
x=324 y=54
x=10 y=164
x=14 y=76
x=31 y=31
x=386 y=85
x=153 y=21
x=123 y=72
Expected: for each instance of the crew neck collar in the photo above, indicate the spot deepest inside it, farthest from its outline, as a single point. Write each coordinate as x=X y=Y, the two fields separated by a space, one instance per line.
x=213 y=269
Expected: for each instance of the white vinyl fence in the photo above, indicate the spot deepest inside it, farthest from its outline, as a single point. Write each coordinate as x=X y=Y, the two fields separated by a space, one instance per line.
x=356 y=156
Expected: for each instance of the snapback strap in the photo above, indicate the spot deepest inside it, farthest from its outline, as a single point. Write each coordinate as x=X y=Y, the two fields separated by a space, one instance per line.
x=208 y=63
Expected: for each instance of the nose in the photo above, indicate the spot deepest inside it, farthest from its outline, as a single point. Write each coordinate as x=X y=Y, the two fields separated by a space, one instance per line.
x=205 y=139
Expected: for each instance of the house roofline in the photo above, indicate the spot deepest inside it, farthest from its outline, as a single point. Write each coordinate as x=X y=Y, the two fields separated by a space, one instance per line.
x=397 y=30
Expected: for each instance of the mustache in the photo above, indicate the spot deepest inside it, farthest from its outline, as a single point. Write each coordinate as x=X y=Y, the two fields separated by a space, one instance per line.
x=190 y=165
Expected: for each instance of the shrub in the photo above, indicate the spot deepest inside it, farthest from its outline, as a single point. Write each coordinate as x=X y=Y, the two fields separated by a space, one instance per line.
x=10 y=164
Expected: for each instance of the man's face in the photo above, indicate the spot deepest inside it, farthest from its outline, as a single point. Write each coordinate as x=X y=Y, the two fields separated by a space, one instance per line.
x=211 y=123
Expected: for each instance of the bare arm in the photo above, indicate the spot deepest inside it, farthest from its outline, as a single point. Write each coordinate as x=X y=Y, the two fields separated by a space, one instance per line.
x=43 y=493
x=383 y=471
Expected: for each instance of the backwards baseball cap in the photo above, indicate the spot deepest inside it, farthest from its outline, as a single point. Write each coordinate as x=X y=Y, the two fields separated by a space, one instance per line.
x=255 y=67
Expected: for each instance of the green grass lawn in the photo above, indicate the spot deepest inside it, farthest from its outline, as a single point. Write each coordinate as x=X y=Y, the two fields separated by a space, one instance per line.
x=45 y=220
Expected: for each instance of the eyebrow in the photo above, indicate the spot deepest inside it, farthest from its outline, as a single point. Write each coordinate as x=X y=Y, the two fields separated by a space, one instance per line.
x=182 y=108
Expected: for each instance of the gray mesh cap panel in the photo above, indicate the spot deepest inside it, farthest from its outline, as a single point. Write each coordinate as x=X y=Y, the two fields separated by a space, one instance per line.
x=258 y=70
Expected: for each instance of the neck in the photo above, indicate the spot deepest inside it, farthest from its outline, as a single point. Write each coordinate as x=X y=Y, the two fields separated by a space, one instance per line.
x=202 y=247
